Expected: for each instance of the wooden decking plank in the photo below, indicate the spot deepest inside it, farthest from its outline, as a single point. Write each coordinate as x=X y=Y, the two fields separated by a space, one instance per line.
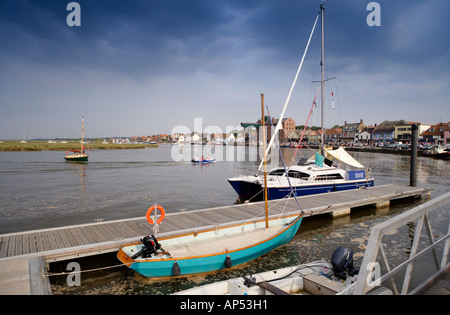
x=25 y=246
x=171 y=224
x=32 y=243
x=69 y=237
x=83 y=235
x=201 y=219
x=39 y=242
x=4 y=241
x=78 y=233
x=74 y=236
x=97 y=236
x=121 y=232
x=90 y=234
x=114 y=234
x=51 y=237
x=252 y=209
x=186 y=221
x=134 y=228
x=54 y=240
x=45 y=241
x=105 y=233
x=63 y=238
x=245 y=211
x=19 y=243
x=89 y=237
x=218 y=218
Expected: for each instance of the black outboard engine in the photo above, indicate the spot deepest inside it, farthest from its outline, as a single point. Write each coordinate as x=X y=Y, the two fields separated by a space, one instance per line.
x=342 y=262
x=151 y=245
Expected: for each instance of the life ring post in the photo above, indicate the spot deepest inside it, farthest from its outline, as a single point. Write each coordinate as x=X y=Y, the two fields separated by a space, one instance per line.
x=149 y=212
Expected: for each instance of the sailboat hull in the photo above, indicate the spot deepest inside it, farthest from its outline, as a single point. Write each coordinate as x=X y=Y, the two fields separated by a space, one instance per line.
x=281 y=192
x=214 y=261
x=77 y=158
x=252 y=190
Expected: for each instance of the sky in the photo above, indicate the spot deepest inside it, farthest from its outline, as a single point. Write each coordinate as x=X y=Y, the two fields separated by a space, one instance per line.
x=145 y=67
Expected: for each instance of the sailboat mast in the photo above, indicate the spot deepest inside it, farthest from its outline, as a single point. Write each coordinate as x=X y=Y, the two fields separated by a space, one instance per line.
x=82 y=131
x=265 y=162
x=322 y=68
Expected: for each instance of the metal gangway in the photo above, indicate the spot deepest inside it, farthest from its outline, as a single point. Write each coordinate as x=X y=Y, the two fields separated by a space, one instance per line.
x=370 y=277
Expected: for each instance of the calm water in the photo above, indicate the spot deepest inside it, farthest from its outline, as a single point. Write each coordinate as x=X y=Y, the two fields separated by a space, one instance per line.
x=40 y=190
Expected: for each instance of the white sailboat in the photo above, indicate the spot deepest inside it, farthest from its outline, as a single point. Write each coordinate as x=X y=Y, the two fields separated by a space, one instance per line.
x=313 y=176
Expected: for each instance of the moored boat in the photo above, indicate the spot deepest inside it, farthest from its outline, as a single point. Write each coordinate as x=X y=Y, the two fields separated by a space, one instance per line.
x=306 y=179
x=200 y=161
x=438 y=153
x=319 y=175
x=209 y=250
x=78 y=155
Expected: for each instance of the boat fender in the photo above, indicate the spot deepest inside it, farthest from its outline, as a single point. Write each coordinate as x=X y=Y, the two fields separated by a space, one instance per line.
x=175 y=269
x=150 y=210
x=228 y=262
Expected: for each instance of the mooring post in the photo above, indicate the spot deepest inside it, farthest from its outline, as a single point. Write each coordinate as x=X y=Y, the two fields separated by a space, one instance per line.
x=413 y=173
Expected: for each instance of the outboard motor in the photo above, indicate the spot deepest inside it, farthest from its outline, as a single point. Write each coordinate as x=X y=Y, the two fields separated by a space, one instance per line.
x=151 y=245
x=342 y=262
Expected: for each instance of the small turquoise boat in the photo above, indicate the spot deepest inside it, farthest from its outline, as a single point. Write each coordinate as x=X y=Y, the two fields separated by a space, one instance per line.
x=209 y=250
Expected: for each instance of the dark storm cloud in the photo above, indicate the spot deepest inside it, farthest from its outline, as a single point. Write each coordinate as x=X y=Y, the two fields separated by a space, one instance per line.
x=135 y=53
x=139 y=36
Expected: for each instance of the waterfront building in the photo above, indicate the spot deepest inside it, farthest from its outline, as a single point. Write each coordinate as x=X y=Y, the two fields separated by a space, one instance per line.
x=314 y=137
x=351 y=131
x=439 y=134
x=366 y=135
x=288 y=126
x=384 y=132
x=333 y=135
x=402 y=132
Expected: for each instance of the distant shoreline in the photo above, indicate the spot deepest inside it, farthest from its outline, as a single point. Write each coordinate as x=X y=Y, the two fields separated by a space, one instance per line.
x=40 y=145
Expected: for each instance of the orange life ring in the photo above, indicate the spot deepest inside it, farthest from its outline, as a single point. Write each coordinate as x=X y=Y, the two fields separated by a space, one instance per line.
x=149 y=211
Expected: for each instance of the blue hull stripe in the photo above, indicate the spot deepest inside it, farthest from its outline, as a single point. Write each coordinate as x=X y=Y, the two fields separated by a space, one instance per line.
x=248 y=190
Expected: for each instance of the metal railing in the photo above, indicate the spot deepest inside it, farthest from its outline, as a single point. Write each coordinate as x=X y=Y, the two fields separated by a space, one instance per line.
x=370 y=274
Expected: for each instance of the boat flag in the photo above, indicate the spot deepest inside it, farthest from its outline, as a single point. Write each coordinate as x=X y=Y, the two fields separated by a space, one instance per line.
x=332 y=101
x=319 y=159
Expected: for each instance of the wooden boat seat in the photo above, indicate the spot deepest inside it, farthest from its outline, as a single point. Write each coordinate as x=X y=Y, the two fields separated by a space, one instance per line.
x=221 y=244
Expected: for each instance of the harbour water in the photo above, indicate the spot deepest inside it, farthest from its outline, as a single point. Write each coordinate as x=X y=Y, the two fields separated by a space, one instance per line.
x=40 y=190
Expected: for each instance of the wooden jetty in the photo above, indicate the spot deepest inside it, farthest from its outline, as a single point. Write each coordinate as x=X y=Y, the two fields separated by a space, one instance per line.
x=64 y=243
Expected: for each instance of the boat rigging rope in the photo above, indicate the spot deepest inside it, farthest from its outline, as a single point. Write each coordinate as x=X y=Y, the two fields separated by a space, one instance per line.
x=320 y=263
x=306 y=124
x=51 y=274
x=284 y=165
